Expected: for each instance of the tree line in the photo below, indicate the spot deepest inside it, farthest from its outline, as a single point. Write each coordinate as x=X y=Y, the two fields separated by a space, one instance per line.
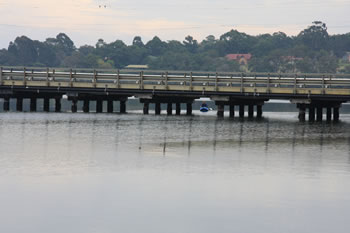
x=313 y=50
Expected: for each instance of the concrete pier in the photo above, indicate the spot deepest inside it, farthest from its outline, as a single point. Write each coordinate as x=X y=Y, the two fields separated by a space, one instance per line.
x=46 y=104
x=58 y=104
x=189 y=109
x=302 y=110
x=336 y=114
x=329 y=114
x=146 y=108
x=123 y=106
x=157 y=109
x=99 y=106
x=86 y=106
x=221 y=109
x=19 y=104
x=311 y=113
x=178 y=108
x=74 y=105
x=33 y=104
x=319 y=113
x=250 y=111
x=170 y=108
x=110 y=106
x=232 y=110
x=6 y=104
x=241 y=110
x=259 y=111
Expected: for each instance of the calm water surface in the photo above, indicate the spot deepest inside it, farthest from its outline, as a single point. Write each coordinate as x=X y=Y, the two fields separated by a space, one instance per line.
x=92 y=173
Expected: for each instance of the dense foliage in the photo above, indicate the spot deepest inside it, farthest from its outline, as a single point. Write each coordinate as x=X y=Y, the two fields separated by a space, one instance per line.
x=312 y=50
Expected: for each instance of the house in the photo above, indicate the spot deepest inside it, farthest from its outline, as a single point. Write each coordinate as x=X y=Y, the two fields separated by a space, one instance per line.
x=242 y=59
x=347 y=57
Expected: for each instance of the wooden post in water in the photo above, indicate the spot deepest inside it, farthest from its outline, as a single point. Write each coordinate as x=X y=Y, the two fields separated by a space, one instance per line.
x=122 y=106
x=110 y=106
x=178 y=108
x=6 y=104
x=58 y=104
x=86 y=106
x=19 y=104
x=33 y=104
x=170 y=108
x=46 y=104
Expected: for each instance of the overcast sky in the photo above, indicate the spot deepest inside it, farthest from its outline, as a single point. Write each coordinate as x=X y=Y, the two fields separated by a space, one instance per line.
x=85 y=22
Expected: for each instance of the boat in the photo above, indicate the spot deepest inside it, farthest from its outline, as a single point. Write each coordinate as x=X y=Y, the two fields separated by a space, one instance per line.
x=204 y=108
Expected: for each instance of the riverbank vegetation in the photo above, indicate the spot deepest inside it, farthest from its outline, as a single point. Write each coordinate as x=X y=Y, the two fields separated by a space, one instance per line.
x=312 y=50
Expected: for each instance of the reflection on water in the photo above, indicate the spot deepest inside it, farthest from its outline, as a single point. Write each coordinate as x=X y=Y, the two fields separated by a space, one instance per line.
x=137 y=173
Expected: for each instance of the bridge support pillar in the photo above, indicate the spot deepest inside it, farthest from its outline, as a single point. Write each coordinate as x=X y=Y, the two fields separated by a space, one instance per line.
x=122 y=106
x=221 y=109
x=259 y=111
x=19 y=104
x=158 y=109
x=336 y=114
x=189 y=109
x=301 y=112
x=146 y=108
x=178 y=108
x=74 y=105
x=232 y=110
x=33 y=104
x=86 y=105
x=170 y=108
x=241 y=110
x=250 y=111
x=99 y=106
x=46 y=104
x=110 y=106
x=319 y=113
x=58 y=105
x=311 y=113
x=329 y=114
x=6 y=104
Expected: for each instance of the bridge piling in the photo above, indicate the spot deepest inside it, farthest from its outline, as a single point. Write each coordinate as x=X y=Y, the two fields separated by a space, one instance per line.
x=33 y=104
x=241 y=110
x=6 y=104
x=99 y=106
x=189 y=109
x=170 y=109
x=74 y=105
x=19 y=104
x=178 y=108
x=46 y=104
x=86 y=106
x=311 y=113
x=58 y=104
x=122 y=106
x=220 y=112
x=319 y=113
x=259 y=111
x=336 y=114
x=157 y=108
x=250 y=110
x=146 y=108
x=232 y=110
x=301 y=112
x=329 y=114
x=110 y=106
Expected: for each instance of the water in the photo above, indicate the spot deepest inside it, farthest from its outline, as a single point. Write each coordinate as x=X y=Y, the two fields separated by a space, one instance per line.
x=100 y=173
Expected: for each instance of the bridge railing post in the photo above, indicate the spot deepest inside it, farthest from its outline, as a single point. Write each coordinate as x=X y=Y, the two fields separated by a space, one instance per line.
x=216 y=82
x=141 y=80
x=47 y=77
x=1 y=75
x=71 y=77
x=166 y=80
x=268 y=84
x=191 y=80
x=242 y=83
x=118 y=78
x=24 y=77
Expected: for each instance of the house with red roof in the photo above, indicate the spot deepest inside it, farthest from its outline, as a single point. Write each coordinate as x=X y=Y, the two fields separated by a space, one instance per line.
x=242 y=59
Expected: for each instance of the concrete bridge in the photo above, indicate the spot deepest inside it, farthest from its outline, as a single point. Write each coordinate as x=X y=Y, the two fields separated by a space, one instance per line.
x=315 y=94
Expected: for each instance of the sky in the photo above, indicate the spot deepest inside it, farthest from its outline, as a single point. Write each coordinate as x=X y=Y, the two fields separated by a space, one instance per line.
x=86 y=21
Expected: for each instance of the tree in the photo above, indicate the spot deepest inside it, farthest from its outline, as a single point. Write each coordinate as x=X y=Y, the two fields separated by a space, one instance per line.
x=316 y=36
x=191 y=44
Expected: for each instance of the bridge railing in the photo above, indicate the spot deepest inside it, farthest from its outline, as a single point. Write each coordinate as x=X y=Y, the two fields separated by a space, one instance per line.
x=176 y=80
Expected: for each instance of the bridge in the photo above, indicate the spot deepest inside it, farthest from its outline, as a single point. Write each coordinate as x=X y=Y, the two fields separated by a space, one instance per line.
x=314 y=94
